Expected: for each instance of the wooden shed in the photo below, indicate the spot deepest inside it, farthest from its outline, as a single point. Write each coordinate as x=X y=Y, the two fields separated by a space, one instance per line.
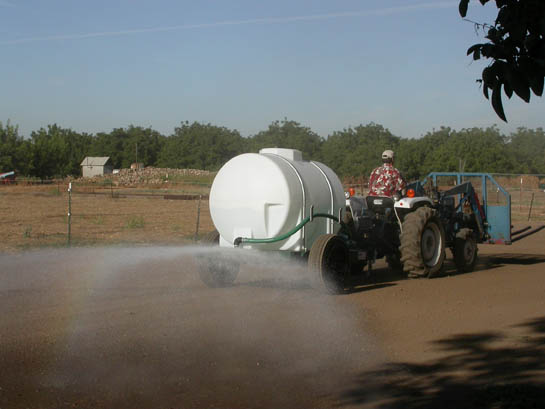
x=96 y=165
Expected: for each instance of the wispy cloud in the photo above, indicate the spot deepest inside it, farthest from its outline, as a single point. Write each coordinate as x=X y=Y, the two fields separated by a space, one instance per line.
x=257 y=21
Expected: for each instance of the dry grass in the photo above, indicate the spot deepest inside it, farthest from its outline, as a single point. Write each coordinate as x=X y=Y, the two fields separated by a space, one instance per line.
x=37 y=216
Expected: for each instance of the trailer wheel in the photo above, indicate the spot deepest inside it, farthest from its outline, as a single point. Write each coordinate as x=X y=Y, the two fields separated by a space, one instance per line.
x=328 y=263
x=216 y=269
x=465 y=251
x=422 y=243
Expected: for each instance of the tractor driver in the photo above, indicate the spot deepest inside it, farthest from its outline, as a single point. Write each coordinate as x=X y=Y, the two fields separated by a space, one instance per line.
x=386 y=180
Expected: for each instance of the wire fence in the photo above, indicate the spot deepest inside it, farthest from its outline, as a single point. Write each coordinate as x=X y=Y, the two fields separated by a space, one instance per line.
x=527 y=195
x=53 y=215
x=527 y=192
x=47 y=214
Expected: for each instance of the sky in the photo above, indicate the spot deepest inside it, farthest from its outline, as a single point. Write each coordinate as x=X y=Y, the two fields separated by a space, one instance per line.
x=328 y=64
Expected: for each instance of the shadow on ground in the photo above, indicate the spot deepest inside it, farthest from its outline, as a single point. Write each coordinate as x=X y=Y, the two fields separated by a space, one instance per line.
x=386 y=277
x=489 y=262
x=360 y=284
x=477 y=371
x=514 y=258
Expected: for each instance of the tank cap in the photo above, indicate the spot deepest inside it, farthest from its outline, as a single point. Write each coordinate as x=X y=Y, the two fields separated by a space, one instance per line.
x=290 y=154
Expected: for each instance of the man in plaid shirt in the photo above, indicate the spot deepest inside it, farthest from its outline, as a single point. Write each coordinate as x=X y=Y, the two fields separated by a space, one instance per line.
x=386 y=179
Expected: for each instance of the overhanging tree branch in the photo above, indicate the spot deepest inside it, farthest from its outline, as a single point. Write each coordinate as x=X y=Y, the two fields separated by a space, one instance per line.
x=516 y=48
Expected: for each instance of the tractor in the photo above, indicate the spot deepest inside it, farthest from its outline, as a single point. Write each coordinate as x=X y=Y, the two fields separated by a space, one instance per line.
x=276 y=201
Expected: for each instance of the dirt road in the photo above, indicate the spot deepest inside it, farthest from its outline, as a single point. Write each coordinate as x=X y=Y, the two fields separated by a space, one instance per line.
x=135 y=328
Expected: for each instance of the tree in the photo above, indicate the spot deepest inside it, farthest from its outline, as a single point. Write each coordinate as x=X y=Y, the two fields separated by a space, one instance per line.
x=357 y=151
x=125 y=146
x=288 y=134
x=111 y=144
x=128 y=145
x=58 y=152
x=527 y=148
x=516 y=48
x=200 y=146
x=9 y=143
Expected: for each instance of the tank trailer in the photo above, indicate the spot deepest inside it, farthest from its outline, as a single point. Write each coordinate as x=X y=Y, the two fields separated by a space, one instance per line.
x=276 y=201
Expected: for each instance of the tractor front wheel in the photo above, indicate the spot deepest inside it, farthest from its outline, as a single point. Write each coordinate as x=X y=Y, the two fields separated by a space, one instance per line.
x=394 y=263
x=216 y=269
x=465 y=251
x=422 y=243
x=328 y=264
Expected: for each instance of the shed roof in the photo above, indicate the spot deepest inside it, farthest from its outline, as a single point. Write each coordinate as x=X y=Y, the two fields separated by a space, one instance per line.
x=95 y=161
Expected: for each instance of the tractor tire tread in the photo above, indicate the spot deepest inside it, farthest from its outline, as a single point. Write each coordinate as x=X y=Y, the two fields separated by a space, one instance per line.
x=410 y=238
x=458 y=251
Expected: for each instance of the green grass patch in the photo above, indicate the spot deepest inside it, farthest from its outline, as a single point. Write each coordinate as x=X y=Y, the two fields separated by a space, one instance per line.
x=136 y=222
x=200 y=180
x=27 y=233
x=99 y=220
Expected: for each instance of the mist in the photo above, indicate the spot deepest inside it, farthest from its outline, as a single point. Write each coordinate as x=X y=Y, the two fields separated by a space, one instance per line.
x=136 y=327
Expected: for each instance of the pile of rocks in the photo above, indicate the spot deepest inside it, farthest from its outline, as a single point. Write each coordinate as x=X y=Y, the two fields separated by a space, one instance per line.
x=147 y=176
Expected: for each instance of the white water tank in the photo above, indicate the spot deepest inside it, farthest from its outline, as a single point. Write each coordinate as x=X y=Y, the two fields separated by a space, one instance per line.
x=266 y=194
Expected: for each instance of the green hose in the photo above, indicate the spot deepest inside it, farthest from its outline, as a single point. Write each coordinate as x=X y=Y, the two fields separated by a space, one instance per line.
x=240 y=240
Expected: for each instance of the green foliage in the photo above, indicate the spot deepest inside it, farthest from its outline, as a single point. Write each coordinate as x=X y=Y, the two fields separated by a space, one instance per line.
x=516 y=48
x=527 y=149
x=200 y=146
x=55 y=151
x=127 y=146
x=199 y=180
x=288 y=134
x=15 y=152
x=99 y=220
x=357 y=151
x=475 y=150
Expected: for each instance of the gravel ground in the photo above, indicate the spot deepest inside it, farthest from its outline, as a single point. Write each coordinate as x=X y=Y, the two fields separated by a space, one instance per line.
x=135 y=328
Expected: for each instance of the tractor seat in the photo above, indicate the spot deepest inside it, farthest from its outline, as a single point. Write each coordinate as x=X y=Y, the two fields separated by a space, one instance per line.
x=379 y=204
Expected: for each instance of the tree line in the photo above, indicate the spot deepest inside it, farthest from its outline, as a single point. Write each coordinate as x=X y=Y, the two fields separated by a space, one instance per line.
x=58 y=152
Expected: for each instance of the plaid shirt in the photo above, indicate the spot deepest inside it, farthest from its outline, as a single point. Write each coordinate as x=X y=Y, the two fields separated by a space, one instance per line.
x=385 y=181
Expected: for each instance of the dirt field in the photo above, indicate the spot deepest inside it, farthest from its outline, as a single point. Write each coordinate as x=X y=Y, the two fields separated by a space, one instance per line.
x=134 y=328
x=33 y=216
x=37 y=216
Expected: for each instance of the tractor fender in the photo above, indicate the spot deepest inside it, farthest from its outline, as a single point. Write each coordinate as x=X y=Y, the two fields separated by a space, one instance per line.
x=413 y=202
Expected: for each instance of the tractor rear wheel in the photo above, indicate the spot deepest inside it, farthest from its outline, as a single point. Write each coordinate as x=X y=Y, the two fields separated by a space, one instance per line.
x=465 y=251
x=422 y=243
x=328 y=263
x=216 y=269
